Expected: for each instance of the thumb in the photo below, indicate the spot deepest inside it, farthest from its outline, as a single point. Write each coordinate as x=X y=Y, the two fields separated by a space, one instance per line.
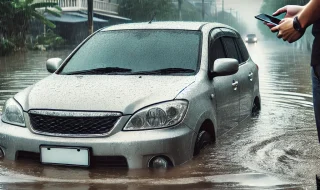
x=280 y=11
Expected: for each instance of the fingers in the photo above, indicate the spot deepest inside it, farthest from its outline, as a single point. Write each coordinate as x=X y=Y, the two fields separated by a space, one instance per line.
x=269 y=25
x=280 y=11
x=295 y=37
x=275 y=29
x=291 y=38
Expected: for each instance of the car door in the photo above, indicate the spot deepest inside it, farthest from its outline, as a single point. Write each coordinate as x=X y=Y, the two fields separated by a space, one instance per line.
x=246 y=80
x=225 y=89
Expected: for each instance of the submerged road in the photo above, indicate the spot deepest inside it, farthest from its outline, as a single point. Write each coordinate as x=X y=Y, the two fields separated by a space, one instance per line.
x=278 y=149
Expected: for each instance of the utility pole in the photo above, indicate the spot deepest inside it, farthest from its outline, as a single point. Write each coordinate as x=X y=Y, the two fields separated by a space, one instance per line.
x=223 y=10
x=237 y=17
x=216 y=9
x=90 y=16
x=230 y=16
x=202 y=9
x=179 y=5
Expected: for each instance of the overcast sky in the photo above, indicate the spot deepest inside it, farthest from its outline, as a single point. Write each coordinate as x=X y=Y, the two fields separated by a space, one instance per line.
x=247 y=9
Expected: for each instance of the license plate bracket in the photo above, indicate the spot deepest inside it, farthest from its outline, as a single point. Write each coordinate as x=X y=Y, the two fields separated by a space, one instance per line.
x=69 y=156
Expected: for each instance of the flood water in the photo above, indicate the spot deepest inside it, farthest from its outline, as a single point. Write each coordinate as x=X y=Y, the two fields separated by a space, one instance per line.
x=278 y=149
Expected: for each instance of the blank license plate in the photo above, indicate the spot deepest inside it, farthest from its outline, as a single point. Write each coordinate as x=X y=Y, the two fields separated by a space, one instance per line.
x=65 y=156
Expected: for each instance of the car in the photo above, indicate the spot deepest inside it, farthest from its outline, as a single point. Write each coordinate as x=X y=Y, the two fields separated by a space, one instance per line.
x=138 y=95
x=251 y=38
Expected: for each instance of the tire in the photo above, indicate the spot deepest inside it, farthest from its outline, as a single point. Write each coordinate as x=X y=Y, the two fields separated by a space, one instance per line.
x=255 y=109
x=203 y=139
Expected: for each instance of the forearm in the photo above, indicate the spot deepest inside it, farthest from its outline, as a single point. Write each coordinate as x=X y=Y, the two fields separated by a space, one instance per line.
x=310 y=13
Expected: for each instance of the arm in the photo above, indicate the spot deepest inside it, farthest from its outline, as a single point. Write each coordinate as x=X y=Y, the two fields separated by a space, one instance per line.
x=310 y=13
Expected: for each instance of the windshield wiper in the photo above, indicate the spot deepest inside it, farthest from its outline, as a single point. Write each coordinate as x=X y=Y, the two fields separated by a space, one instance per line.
x=164 y=71
x=99 y=71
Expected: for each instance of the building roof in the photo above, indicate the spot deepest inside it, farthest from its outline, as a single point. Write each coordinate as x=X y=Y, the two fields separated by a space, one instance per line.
x=72 y=17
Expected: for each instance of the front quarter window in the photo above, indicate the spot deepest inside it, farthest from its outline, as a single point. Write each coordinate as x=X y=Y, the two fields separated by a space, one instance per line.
x=137 y=51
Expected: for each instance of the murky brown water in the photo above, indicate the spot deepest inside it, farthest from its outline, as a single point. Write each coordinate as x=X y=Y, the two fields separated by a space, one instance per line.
x=278 y=149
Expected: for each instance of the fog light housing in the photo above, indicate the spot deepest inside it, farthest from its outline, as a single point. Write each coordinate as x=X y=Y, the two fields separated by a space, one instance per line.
x=160 y=162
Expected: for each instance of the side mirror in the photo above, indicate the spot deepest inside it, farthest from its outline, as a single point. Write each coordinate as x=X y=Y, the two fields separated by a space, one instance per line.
x=225 y=66
x=53 y=64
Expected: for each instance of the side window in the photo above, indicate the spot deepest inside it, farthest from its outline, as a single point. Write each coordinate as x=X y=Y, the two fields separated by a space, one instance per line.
x=231 y=48
x=243 y=50
x=217 y=50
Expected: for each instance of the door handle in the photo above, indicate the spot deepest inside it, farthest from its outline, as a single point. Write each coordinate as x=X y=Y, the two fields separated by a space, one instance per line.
x=250 y=76
x=235 y=85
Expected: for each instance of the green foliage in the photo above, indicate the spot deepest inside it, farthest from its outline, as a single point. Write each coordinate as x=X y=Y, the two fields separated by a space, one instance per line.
x=189 y=12
x=49 y=40
x=166 y=10
x=269 y=7
x=15 y=17
x=229 y=19
x=143 y=10
x=6 y=46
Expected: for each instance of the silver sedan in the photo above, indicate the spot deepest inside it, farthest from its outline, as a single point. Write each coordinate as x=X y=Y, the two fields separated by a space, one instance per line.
x=135 y=95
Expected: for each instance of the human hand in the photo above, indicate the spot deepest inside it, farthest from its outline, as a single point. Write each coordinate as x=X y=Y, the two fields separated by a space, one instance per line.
x=290 y=10
x=286 y=30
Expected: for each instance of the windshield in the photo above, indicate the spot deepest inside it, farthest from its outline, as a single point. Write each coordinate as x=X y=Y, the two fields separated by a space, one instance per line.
x=131 y=51
x=251 y=35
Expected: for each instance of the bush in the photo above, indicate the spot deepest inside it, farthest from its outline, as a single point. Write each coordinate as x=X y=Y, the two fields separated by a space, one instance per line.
x=48 y=40
x=6 y=47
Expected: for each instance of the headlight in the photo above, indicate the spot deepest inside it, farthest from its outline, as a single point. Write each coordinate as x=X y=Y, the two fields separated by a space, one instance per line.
x=158 y=116
x=255 y=39
x=247 y=39
x=12 y=113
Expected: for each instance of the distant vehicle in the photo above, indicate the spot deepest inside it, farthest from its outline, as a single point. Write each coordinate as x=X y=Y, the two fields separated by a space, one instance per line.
x=135 y=95
x=251 y=38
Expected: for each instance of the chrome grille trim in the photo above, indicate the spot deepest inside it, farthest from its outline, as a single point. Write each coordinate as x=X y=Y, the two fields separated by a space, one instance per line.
x=70 y=114
x=74 y=113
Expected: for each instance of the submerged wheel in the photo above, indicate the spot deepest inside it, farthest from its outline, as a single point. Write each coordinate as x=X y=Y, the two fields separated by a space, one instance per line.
x=255 y=108
x=203 y=139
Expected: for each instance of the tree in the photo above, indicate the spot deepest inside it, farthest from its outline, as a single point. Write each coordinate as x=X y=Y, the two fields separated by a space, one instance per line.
x=229 y=19
x=144 y=10
x=15 y=17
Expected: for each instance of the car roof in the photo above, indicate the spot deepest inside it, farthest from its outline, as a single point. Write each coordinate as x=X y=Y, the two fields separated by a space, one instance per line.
x=172 y=25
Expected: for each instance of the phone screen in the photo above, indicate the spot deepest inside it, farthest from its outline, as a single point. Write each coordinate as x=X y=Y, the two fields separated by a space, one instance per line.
x=268 y=18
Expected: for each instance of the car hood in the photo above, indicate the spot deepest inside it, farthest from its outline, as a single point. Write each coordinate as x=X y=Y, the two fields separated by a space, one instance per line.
x=125 y=94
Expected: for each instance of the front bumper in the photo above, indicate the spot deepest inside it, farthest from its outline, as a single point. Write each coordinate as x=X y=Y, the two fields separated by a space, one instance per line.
x=138 y=147
x=251 y=41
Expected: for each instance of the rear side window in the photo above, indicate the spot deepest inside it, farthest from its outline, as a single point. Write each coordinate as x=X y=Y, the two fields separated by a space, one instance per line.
x=243 y=50
x=231 y=48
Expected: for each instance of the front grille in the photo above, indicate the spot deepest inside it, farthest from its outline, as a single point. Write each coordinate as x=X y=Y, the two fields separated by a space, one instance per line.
x=95 y=161
x=70 y=125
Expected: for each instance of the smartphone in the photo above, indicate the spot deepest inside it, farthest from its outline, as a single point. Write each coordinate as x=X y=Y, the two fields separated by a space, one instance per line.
x=267 y=18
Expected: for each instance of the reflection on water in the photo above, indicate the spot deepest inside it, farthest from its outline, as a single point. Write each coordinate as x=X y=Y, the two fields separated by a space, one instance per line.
x=21 y=70
x=276 y=149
